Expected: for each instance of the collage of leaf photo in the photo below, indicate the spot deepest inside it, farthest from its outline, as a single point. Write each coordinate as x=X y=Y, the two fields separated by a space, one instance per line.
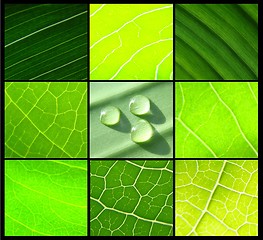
x=129 y=119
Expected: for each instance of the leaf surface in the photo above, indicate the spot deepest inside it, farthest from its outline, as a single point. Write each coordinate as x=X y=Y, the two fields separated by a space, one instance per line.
x=46 y=41
x=45 y=119
x=116 y=141
x=131 y=41
x=216 y=197
x=45 y=197
x=131 y=198
x=216 y=41
x=217 y=120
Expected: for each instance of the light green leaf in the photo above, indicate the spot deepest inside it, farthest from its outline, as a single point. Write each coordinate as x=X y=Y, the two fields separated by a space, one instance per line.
x=216 y=197
x=216 y=120
x=46 y=41
x=45 y=119
x=131 y=198
x=131 y=41
x=216 y=41
x=116 y=141
x=45 y=197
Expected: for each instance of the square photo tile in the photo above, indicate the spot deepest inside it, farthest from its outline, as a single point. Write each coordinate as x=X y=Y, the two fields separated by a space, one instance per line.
x=46 y=41
x=131 y=41
x=131 y=120
x=216 y=120
x=216 y=197
x=45 y=120
x=46 y=198
x=216 y=41
x=131 y=198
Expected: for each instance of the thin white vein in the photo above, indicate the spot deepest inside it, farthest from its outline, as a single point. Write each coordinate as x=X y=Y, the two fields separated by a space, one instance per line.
x=68 y=165
x=129 y=214
x=43 y=194
x=160 y=63
x=108 y=55
x=210 y=197
x=57 y=68
x=91 y=15
x=183 y=100
x=39 y=53
x=24 y=225
x=139 y=50
x=74 y=73
x=222 y=222
x=26 y=116
x=149 y=168
x=138 y=16
x=23 y=11
x=252 y=92
x=197 y=137
x=241 y=193
x=234 y=117
x=32 y=19
x=42 y=29
x=47 y=62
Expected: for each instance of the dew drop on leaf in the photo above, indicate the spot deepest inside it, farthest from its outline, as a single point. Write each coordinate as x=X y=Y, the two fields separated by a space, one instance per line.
x=139 y=105
x=110 y=115
x=141 y=132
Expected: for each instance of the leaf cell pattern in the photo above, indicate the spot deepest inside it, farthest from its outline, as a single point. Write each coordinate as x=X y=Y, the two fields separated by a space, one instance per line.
x=216 y=197
x=45 y=198
x=131 y=41
x=131 y=198
x=46 y=41
x=45 y=120
x=217 y=120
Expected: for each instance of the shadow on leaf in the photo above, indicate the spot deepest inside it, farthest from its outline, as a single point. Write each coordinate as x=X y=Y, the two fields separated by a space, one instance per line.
x=124 y=125
x=157 y=145
x=155 y=116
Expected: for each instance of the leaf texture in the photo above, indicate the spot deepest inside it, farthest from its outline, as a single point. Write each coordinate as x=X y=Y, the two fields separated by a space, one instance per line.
x=45 y=197
x=216 y=41
x=131 y=198
x=46 y=41
x=45 y=119
x=216 y=197
x=217 y=120
x=131 y=41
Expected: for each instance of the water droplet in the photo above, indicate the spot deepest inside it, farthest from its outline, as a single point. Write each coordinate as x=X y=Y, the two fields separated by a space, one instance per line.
x=141 y=132
x=110 y=115
x=139 y=105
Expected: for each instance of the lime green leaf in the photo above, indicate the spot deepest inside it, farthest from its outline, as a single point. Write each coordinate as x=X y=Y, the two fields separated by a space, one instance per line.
x=131 y=41
x=216 y=41
x=115 y=141
x=216 y=197
x=45 y=197
x=45 y=41
x=45 y=119
x=217 y=120
x=131 y=198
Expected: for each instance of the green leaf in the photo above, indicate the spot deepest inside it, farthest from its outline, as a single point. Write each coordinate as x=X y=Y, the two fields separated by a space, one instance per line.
x=45 y=119
x=216 y=197
x=216 y=41
x=217 y=120
x=131 y=198
x=45 y=197
x=116 y=141
x=131 y=41
x=45 y=41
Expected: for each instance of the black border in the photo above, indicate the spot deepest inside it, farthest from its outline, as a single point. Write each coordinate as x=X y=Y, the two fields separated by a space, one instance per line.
x=2 y=101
